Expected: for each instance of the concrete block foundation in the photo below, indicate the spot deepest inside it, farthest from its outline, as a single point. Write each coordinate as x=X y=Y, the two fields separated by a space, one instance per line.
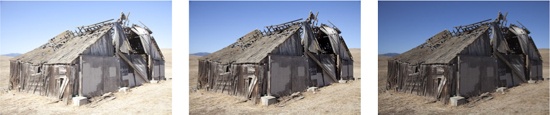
x=457 y=100
x=78 y=101
x=268 y=100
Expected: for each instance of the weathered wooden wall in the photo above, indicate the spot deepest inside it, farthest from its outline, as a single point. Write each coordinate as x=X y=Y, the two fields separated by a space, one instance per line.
x=291 y=47
x=481 y=46
x=245 y=80
x=158 y=70
x=102 y=47
x=435 y=80
x=54 y=81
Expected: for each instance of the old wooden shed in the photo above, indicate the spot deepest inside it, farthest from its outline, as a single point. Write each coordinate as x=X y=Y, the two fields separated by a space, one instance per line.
x=471 y=60
x=278 y=61
x=89 y=61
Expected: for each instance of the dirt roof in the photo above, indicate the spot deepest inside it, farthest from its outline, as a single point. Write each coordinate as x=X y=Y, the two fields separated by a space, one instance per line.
x=64 y=48
x=251 y=48
x=441 y=48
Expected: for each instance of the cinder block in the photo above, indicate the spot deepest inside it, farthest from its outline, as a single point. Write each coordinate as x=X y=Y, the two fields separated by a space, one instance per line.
x=312 y=89
x=268 y=100
x=342 y=81
x=78 y=101
x=531 y=81
x=457 y=100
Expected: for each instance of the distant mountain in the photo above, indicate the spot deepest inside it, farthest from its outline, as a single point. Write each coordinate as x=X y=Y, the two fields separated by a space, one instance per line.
x=201 y=54
x=12 y=54
x=389 y=54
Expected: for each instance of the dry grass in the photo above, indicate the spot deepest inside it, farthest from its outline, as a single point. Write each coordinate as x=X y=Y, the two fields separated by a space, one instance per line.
x=4 y=72
x=145 y=99
x=334 y=99
x=523 y=99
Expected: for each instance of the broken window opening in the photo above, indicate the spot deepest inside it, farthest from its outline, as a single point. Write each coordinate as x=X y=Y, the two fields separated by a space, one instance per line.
x=324 y=43
x=135 y=43
x=226 y=68
x=513 y=43
x=39 y=69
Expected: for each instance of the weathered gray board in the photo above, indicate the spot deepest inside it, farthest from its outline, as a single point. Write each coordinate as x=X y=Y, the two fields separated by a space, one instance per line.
x=158 y=70
x=317 y=75
x=504 y=74
x=99 y=75
x=518 y=62
x=477 y=75
x=127 y=75
x=347 y=70
x=288 y=75
x=130 y=76
x=536 y=70
x=328 y=60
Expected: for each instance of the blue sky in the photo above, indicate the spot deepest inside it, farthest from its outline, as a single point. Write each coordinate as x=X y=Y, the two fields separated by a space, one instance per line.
x=214 y=25
x=405 y=25
x=26 y=25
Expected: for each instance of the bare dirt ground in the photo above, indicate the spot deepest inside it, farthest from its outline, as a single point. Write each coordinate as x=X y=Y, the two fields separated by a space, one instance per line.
x=334 y=99
x=527 y=98
x=145 y=99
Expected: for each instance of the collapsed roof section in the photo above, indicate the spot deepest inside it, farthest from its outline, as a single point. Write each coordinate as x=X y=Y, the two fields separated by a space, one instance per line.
x=470 y=60
x=444 y=46
x=441 y=48
x=68 y=45
x=90 y=61
x=253 y=47
x=278 y=61
x=257 y=44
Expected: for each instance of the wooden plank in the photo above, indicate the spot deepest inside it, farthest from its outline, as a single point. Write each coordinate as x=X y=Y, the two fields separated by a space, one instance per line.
x=143 y=77
x=269 y=76
x=321 y=65
x=517 y=73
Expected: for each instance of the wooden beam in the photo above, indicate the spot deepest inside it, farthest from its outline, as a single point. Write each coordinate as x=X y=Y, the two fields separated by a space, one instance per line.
x=321 y=65
x=150 y=66
x=521 y=77
x=80 y=78
x=143 y=77
x=269 y=75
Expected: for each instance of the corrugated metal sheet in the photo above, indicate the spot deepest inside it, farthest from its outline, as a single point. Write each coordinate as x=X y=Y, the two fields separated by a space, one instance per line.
x=146 y=41
x=310 y=44
x=119 y=39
